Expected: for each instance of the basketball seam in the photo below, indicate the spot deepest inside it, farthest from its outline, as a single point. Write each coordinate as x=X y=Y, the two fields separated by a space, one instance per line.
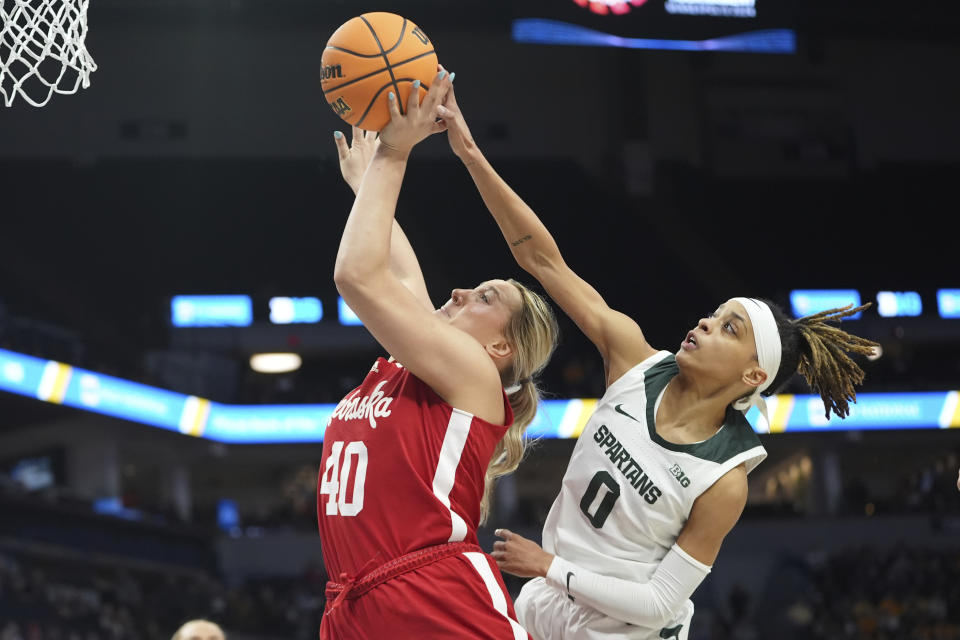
x=363 y=77
x=403 y=29
x=354 y=53
x=387 y=62
x=371 y=103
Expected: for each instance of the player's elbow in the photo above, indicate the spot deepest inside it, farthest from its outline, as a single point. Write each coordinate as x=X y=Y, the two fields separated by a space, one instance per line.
x=344 y=275
x=663 y=618
x=354 y=266
x=359 y=284
x=659 y=618
x=349 y=276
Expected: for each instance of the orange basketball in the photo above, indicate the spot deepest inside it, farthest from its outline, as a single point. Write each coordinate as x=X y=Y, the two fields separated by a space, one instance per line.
x=370 y=56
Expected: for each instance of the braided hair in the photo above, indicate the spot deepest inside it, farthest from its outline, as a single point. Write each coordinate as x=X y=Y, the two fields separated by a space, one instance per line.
x=819 y=351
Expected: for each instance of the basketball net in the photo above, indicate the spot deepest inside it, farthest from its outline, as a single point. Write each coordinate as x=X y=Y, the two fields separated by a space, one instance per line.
x=42 y=49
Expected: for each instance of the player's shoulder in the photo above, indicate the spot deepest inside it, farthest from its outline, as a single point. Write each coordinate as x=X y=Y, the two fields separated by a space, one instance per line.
x=729 y=492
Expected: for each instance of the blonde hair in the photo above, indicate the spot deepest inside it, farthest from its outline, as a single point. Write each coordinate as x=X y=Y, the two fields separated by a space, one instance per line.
x=533 y=333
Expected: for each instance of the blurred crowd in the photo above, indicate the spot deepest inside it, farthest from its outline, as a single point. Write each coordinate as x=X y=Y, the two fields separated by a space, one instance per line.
x=46 y=597
x=933 y=489
x=874 y=594
x=894 y=593
x=901 y=593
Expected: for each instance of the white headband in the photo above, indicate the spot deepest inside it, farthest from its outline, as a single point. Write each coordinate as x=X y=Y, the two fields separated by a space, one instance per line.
x=767 y=337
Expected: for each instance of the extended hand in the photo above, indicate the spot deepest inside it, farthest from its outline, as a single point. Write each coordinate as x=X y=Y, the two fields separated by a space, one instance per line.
x=420 y=121
x=355 y=157
x=458 y=133
x=519 y=556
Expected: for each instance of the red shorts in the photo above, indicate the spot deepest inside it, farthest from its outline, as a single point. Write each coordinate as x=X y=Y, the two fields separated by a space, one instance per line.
x=448 y=591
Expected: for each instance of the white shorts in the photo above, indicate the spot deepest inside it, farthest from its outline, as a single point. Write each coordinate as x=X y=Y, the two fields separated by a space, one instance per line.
x=548 y=613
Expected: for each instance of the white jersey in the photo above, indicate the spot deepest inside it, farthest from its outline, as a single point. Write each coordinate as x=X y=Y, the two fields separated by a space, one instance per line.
x=627 y=492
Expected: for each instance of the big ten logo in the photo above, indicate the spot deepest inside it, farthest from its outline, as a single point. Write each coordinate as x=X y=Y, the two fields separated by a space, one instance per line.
x=340 y=106
x=331 y=71
x=815 y=414
x=680 y=475
x=89 y=390
x=420 y=35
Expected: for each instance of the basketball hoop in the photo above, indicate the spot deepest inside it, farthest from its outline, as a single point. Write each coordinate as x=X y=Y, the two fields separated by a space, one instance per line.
x=42 y=49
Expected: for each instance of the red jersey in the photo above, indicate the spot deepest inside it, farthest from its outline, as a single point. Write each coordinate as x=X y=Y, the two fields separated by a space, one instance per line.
x=401 y=470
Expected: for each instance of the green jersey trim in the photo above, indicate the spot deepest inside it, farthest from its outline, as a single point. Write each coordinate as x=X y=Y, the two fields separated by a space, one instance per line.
x=733 y=438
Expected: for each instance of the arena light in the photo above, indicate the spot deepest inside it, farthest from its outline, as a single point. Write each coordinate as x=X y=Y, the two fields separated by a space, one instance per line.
x=948 y=301
x=285 y=310
x=275 y=362
x=211 y=311
x=892 y=304
x=721 y=8
x=546 y=31
x=805 y=302
x=248 y=424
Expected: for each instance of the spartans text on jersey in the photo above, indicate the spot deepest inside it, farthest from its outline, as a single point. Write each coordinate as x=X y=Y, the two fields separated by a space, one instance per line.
x=364 y=407
x=632 y=471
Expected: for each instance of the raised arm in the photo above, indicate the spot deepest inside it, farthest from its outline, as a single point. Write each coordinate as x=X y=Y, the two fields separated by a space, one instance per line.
x=653 y=603
x=354 y=159
x=449 y=360
x=618 y=337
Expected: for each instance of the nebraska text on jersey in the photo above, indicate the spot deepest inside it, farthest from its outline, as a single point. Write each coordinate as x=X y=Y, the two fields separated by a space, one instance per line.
x=371 y=407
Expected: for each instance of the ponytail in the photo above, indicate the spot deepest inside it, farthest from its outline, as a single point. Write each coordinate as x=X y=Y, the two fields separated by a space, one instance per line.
x=819 y=351
x=533 y=333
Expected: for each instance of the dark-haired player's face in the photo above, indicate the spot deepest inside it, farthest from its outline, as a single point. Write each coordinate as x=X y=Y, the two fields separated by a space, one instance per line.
x=721 y=347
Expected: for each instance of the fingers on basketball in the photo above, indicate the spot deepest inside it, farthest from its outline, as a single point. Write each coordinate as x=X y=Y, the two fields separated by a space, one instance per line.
x=451 y=100
x=445 y=86
x=413 y=99
x=356 y=136
x=342 y=149
x=394 y=106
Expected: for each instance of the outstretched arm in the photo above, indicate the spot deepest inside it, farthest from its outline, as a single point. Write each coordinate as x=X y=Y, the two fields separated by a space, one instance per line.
x=619 y=339
x=446 y=358
x=354 y=158
x=653 y=603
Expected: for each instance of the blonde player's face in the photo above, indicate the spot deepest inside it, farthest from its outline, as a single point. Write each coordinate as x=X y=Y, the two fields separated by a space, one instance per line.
x=721 y=347
x=484 y=311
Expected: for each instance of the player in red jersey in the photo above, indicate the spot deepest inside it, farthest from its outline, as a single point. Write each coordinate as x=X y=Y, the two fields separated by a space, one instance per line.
x=410 y=455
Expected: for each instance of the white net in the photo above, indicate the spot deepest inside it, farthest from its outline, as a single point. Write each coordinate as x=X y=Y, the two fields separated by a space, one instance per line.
x=42 y=49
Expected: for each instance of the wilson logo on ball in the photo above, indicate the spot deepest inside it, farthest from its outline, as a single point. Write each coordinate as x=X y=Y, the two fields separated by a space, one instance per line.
x=340 y=106
x=421 y=36
x=331 y=71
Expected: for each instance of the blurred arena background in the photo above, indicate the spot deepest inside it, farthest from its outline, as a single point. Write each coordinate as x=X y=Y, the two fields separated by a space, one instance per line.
x=201 y=161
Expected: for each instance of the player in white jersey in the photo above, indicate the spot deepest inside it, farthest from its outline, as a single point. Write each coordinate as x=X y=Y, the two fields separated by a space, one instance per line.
x=659 y=474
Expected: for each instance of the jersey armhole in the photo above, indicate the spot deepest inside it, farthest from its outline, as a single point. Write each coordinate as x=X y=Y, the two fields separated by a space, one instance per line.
x=751 y=457
x=641 y=367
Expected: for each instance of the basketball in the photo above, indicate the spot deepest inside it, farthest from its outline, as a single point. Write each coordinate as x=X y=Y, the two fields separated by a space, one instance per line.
x=370 y=56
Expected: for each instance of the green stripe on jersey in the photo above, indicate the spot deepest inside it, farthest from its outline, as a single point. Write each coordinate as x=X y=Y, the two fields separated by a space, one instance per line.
x=734 y=438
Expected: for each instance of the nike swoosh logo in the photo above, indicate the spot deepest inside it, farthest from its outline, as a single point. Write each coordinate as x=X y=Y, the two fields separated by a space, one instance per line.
x=569 y=575
x=622 y=412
